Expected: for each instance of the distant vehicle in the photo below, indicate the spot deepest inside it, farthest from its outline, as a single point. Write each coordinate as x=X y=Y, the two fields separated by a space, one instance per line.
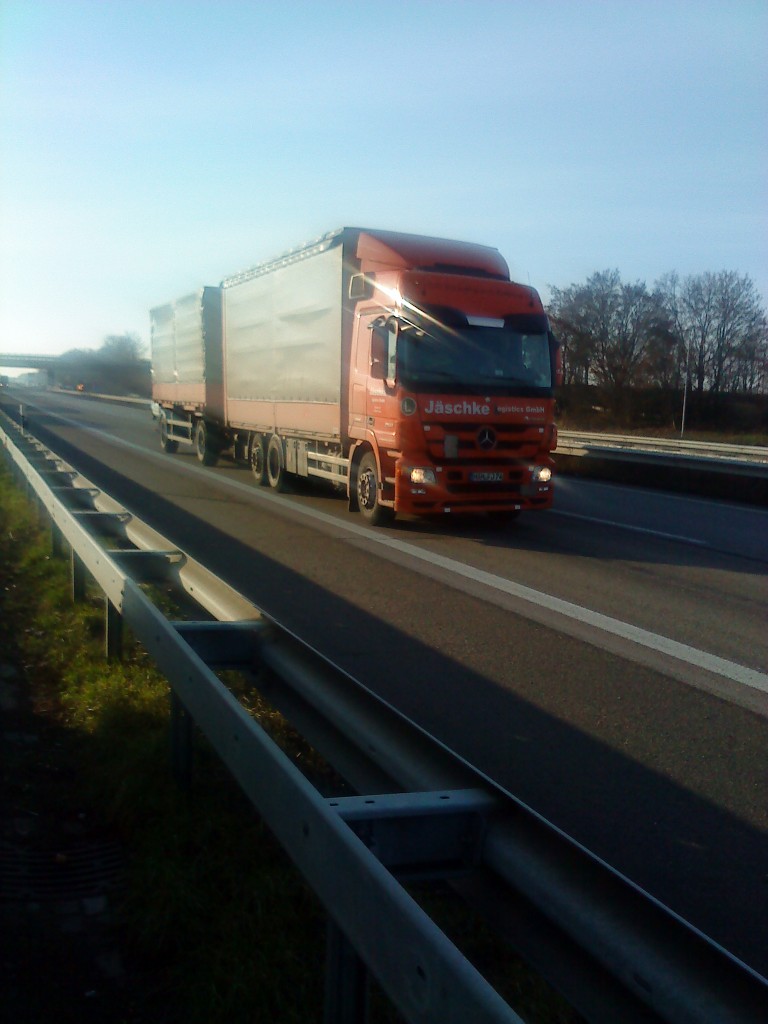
x=3 y=382
x=409 y=370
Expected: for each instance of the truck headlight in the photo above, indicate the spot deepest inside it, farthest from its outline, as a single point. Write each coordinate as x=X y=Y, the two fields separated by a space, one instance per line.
x=423 y=475
x=541 y=474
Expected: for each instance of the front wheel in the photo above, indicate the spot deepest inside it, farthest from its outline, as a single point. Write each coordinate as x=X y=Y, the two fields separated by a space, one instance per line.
x=368 y=501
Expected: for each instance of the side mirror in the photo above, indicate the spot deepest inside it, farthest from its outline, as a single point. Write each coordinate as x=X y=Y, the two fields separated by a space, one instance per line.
x=361 y=286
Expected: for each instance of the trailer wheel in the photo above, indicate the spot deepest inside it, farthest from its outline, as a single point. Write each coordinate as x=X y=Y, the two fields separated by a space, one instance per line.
x=368 y=492
x=258 y=460
x=206 y=449
x=166 y=442
x=276 y=464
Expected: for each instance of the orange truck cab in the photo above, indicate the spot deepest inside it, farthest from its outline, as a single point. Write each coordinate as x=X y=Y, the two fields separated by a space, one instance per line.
x=452 y=383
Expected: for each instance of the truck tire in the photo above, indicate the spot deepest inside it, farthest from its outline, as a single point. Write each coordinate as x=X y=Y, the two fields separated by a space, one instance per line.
x=258 y=460
x=166 y=442
x=276 y=473
x=205 y=446
x=367 y=488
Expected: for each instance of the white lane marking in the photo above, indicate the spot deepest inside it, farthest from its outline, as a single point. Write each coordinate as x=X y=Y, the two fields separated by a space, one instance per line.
x=730 y=670
x=634 y=529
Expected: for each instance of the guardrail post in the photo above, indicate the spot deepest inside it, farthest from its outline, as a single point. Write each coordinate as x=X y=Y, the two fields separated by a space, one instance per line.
x=40 y=511
x=113 y=622
x=78 y=577
x=57 y=540
x=181 y=742
x=346 y=980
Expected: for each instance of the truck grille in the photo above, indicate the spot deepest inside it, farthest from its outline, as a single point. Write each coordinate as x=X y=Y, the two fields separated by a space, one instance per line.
x=510 y=441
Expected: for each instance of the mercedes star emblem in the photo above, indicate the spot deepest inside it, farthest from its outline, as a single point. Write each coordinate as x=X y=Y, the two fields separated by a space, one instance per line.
x=486 y=439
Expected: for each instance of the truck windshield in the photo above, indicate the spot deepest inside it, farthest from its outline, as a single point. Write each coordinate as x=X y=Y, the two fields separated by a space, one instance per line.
x=450 y=352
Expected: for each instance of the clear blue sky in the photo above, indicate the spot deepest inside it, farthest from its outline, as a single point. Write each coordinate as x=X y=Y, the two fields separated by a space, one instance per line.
x=149 y=148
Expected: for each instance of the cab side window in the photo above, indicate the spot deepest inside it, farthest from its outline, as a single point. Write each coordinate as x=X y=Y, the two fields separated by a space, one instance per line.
x=384 y=352
x=391 y=352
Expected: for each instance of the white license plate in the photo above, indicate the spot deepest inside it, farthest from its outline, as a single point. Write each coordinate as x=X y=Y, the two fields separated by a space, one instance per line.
x=486 y=478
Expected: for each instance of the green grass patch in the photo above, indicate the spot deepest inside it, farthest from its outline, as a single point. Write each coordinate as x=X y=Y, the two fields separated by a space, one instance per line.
x=218 y=926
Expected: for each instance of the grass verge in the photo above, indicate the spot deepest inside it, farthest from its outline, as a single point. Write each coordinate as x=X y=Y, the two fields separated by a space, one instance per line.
x=217 y=925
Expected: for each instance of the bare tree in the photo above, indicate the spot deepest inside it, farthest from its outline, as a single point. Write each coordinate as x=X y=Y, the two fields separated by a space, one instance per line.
x=750 y=364
x=120 y=364
x=576 y=344
x=619 y=332
x=720 y=326
x=121 y=348
x=740 y=323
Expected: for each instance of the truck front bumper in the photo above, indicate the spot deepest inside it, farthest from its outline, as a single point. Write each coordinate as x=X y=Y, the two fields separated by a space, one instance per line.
x=436 y=490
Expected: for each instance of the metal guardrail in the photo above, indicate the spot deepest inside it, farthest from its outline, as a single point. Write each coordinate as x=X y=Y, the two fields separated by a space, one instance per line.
x=743 y=460
x=613 y=951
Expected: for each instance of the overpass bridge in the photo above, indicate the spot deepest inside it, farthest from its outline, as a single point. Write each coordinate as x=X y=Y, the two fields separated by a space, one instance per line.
x=27 y=362
x=49 y=364
x=72 y=364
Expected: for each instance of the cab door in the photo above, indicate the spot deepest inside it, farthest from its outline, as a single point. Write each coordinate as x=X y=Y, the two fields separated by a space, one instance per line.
x=381 y=397
x=360 y=371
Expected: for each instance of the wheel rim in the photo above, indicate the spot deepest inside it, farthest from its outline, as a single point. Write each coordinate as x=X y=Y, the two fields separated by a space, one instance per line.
x=367 y=489
x=257 y=460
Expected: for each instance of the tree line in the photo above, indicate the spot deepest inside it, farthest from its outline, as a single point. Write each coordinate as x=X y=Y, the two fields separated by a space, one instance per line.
x=117 y=367
x=703 y=333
